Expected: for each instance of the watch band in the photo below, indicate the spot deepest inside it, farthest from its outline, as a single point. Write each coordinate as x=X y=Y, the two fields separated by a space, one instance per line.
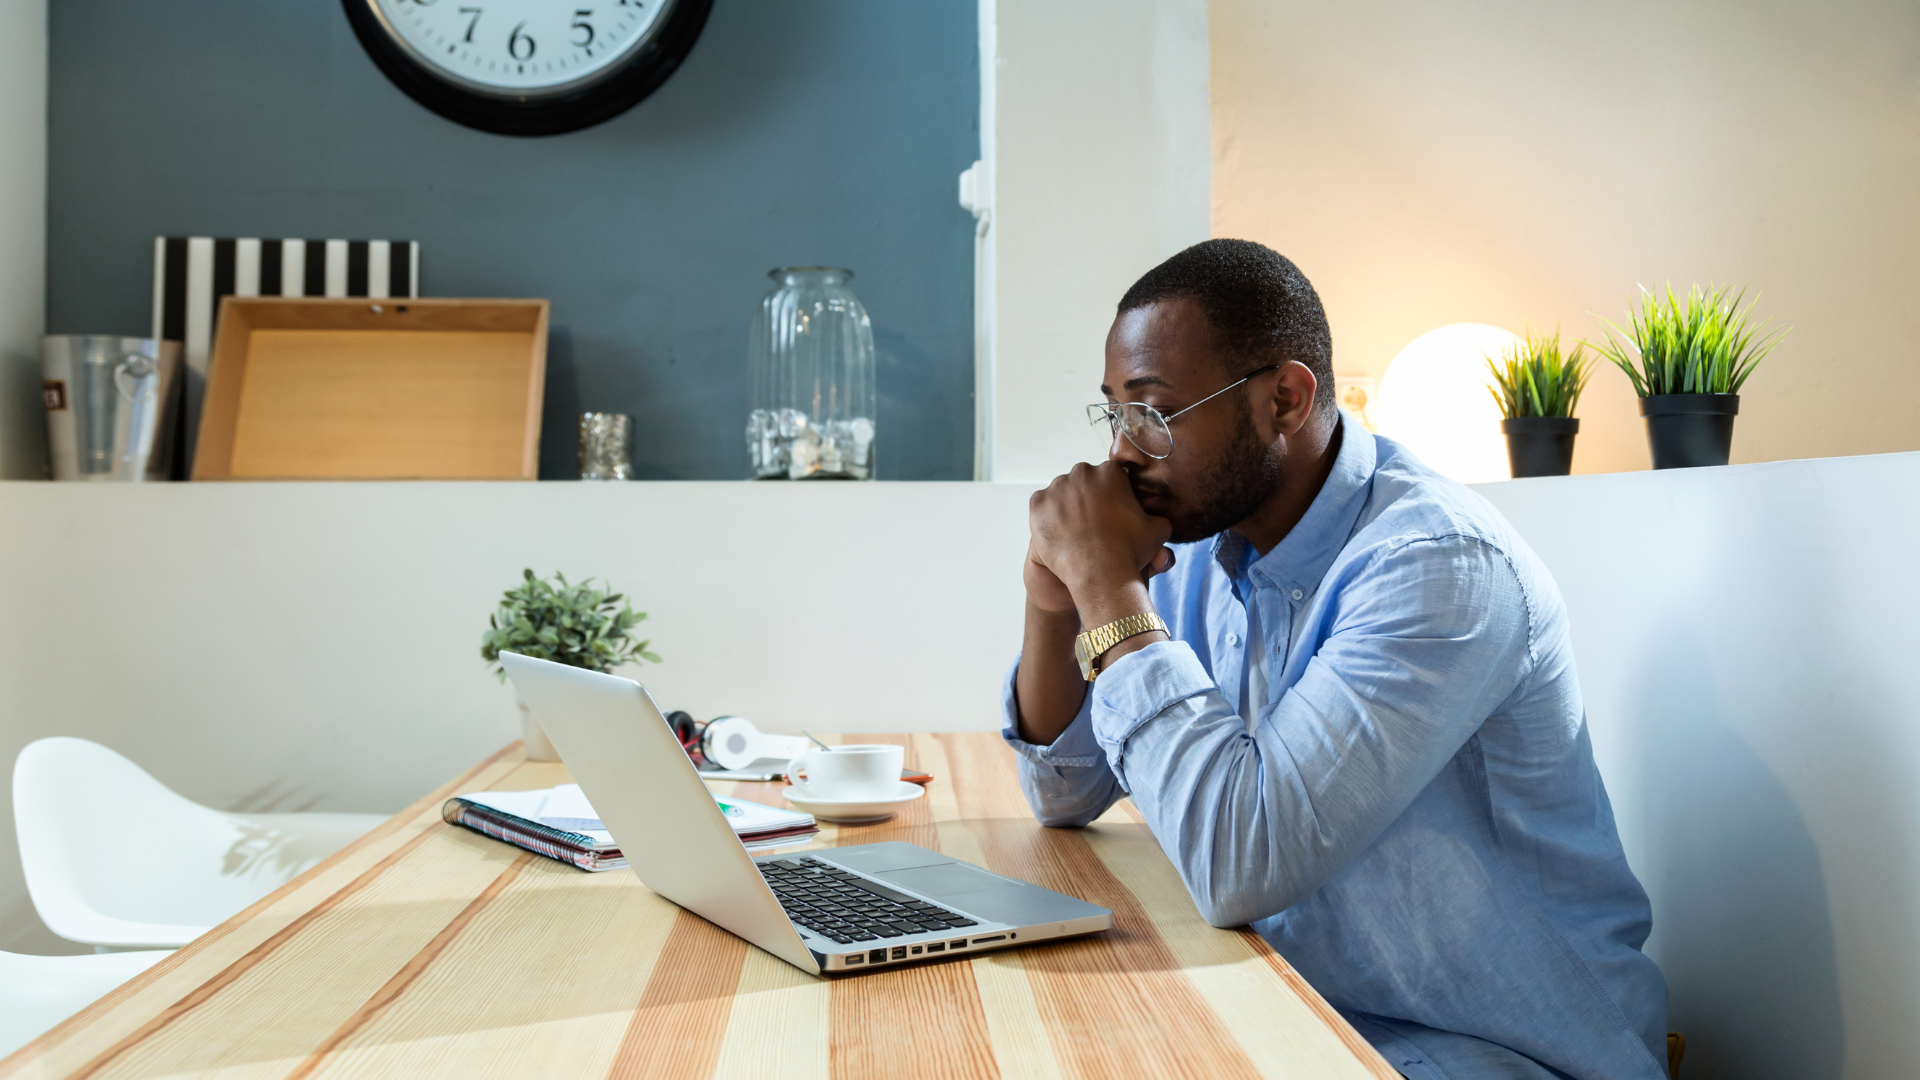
x=1091 y=645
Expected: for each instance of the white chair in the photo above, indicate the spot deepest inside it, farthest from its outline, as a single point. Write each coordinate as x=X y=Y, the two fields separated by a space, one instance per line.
x=115 y=859
x=37 y=992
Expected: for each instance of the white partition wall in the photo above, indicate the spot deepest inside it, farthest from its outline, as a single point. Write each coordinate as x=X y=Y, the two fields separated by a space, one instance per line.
x=1744 y=638
x=1096 y=143
x=1747 y=642
x=23 y=234
x=316 y=646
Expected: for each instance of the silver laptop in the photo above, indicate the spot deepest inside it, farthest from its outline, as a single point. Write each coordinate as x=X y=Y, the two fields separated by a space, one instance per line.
x=838 y=909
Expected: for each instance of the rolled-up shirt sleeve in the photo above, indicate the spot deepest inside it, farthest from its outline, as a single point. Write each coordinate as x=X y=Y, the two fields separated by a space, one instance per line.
x=1068 y=782
x=1258 y=819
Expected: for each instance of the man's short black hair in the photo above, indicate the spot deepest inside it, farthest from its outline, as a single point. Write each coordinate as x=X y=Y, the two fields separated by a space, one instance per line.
x=1261 y=308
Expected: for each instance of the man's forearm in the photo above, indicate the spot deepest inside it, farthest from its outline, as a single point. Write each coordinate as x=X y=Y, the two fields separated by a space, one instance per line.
x=1048 y=689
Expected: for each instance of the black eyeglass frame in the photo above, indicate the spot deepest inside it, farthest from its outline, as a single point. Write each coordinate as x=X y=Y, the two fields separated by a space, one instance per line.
x=1109 y=411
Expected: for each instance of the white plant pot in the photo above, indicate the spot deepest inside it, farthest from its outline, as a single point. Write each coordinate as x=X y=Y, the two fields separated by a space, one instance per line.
x=537 y=745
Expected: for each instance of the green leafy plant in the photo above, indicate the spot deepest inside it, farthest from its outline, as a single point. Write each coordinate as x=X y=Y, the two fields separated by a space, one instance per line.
x=1700 y=344
x=1533 y=378
x=577 y=625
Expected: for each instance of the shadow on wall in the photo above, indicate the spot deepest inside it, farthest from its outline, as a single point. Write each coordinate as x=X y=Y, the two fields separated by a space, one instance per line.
x=1742 y=927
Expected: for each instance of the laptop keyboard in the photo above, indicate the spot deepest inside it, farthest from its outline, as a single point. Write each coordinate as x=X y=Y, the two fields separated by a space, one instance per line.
x=848 y=908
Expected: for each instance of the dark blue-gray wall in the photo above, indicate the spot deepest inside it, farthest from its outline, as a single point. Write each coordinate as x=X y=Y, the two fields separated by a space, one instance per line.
x=816 y=132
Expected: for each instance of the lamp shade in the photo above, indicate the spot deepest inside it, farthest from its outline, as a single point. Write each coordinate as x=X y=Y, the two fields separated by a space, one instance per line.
x=1434 y=400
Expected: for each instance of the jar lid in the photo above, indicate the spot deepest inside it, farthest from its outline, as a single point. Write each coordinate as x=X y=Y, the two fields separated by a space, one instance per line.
x=779 y=271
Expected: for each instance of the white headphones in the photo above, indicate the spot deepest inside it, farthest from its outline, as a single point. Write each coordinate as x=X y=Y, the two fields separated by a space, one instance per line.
x=732 y=742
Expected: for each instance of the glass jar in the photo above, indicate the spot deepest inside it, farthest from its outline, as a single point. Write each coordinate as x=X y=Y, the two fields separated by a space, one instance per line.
x=810 y=358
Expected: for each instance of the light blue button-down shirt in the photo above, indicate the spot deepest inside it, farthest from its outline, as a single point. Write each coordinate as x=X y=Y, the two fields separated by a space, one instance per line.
x=1412 y=815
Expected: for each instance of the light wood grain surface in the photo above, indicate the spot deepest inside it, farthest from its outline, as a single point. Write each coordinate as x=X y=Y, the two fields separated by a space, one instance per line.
x=336 y=389
x=426 y=950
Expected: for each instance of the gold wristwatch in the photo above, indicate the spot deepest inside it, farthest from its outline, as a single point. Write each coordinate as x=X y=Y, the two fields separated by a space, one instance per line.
x=1090 y=646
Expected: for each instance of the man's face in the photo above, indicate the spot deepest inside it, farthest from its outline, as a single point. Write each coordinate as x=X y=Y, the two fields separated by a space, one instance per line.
x=1220 y=471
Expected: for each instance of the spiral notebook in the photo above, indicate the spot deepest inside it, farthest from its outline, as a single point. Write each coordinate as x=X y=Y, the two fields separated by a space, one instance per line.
x=559 y=823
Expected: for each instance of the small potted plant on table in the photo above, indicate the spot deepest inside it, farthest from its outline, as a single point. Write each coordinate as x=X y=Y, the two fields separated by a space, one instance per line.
x=577 y=625
x=1537 y=388
x=1695 y=354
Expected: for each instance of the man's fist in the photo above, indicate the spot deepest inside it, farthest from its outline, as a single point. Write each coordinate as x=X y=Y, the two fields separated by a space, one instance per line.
x=1045 y=590
x=1089 y=532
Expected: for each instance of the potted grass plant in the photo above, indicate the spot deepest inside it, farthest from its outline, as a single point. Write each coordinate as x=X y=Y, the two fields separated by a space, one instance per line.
x=1537 y=387
x=1694 y=354
x=578 y=625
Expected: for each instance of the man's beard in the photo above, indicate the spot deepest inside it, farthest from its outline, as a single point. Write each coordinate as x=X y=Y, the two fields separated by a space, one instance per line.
x=1230 y=490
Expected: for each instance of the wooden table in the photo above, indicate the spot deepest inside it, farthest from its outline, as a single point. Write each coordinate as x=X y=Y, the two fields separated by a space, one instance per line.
x=428 y=950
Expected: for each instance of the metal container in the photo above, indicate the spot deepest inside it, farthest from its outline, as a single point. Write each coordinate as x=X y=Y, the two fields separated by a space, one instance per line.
x=606 y=446
x=109 y=405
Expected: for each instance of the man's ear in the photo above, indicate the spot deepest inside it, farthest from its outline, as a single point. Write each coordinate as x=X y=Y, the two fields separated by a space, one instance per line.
x=1293 y=394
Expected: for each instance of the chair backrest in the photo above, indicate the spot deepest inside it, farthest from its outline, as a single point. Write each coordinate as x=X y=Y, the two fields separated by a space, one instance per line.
x=100 y=836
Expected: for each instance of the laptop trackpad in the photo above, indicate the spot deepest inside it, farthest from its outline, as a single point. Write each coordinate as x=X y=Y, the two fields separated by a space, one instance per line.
x=986 y=895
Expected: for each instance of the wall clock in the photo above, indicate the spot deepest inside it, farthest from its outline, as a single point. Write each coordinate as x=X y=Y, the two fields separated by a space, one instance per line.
x=528 y=67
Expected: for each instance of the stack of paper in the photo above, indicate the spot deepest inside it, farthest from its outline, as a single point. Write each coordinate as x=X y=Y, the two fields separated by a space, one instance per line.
x=560 y=824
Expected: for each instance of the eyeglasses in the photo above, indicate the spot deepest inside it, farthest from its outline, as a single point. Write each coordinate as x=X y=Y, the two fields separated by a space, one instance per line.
x=1145 y=427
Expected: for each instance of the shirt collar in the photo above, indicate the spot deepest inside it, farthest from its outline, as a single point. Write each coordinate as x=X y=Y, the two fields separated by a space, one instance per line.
x=1301 y=559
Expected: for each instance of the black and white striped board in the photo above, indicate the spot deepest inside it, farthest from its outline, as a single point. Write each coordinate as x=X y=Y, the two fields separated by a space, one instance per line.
x=192 y=274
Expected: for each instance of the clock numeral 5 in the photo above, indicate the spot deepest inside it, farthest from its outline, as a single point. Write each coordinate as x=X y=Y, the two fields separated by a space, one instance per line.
x=517 y=40
x=580 y=23
x=475 y=21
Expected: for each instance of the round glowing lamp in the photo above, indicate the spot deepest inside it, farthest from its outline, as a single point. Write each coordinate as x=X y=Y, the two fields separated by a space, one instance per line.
x=1434 y=400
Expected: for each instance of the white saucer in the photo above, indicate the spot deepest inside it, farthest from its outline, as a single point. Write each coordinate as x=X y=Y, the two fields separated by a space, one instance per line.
x=852 y=813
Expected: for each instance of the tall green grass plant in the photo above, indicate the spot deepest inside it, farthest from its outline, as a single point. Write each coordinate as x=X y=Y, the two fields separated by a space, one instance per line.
x=1533 y=378
x=1704 y=343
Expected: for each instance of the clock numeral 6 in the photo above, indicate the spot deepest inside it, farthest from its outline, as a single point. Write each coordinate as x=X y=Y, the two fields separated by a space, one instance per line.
x=517 y=41
x=580 y=23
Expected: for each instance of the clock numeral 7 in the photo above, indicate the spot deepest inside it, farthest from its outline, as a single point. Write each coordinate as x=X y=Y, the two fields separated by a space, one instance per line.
x=475 y=21
x=580 y=23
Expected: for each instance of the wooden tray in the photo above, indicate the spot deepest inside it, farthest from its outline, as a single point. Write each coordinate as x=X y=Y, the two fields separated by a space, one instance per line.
x=352 y=389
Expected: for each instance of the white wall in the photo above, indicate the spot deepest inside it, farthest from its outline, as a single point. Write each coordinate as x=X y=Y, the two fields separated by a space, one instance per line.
x=23 y=234
x=1509 y=162
x=1099 y=168
x=1744 y=637
x=1747 y=641
x=317 y=645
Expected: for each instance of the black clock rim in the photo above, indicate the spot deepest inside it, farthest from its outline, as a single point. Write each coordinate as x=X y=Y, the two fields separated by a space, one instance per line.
x=619 y=89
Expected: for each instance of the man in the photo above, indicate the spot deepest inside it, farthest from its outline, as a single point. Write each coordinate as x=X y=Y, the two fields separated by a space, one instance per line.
x=1344 y=699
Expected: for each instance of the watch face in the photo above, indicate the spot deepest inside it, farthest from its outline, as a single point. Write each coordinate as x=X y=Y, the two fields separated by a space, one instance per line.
x=522 y=47
x=528 y=67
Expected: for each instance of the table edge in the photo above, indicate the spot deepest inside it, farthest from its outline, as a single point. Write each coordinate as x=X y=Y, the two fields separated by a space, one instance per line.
x=45 y=1041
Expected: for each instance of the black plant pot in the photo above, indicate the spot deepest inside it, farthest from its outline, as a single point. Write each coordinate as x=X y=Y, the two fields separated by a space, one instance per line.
x=1540 y=445
x=1686 y=430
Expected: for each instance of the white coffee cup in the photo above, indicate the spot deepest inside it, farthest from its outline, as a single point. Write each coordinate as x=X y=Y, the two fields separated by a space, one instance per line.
x=858 y=772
